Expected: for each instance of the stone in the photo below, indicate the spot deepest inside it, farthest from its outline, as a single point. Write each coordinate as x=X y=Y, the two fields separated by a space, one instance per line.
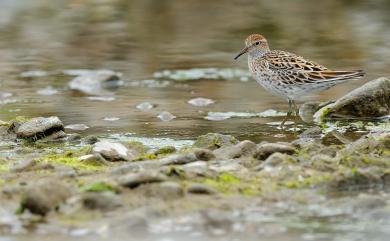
x=165 y=150
x=37 y=128
x=229 y=152
x=104 y=201
x=200 y=102
x=166 y=190
x=177 y=159
x=114 y=151
x=93 y=82
x=372 y=100
x=265 y=150
x=134 y=180
x=198 y=188
x=247 y=147
x=203 y=154
x=313 y=132
x=275 y=159
x=44 y=196
x=90 y=140
x=23 y=165
x=214 y=141
x=93 y=159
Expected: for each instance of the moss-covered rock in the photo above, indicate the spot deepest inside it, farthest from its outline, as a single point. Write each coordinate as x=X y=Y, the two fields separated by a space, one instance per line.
x=214 y=141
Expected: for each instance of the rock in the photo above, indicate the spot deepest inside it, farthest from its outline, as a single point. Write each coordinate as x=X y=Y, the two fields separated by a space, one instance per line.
x=23 y=165
x=229 y=152
x=198 y=188
x=104 y=201
x=74 y=137
x=178 y=159
x=203 y=154
x=214 y=141
x=307 y=110
x=165 y=150
x=93 y=82
x=90 y=140
x=357 y=179
x=37 y=128
x=145 y=106
x=114 y=151
x=313 y=132
x=200 y=102
x=371 y=100
x=93 y=159
x=265 y=150
x=45 y=196
x=275 y=159
x=59 y=136
x=133 y=180
x=77 y=127
x=65 y=171
x=247 y=147
x=166 y=116
x=370 y=143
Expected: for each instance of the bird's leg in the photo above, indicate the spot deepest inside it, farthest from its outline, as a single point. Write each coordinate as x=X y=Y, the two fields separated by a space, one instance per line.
x=296 y=112
x=288 y=113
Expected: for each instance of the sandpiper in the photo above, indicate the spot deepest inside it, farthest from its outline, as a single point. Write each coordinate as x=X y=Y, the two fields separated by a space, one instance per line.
x=288 y=75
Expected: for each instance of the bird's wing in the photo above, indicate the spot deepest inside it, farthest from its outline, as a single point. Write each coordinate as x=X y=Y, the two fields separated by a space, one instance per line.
x=292 y=68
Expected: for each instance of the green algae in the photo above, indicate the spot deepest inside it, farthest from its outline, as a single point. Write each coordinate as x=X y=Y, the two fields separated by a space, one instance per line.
x=165 y=150
x=70 y=158
x=230 y=184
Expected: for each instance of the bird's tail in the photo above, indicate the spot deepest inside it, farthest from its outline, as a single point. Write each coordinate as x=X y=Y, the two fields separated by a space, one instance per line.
x=342 y=75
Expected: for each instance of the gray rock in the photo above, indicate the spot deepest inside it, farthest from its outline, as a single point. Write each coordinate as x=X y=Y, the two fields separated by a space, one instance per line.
x=214 y=141
x=203 y=154
x=65 y=171
x=308 y=109
x=104 y=201
x=229 y=152
x=45 y=196
x=247 y=147
x=265 y=150
x=134 y=180
x=23 y=165
x=90 y=140
x=371 y=100
x=177 y=159
x=93 y=159
x=165 y=150
x=273 y=160
x=198 y=188
x=114 y=151
x=38 y=128
x=93 y=82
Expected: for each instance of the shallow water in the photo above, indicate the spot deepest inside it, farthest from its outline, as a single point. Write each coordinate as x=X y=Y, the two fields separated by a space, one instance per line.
x=41 y=41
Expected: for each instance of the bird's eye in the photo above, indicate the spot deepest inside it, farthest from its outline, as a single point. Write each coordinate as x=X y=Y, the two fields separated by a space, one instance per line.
x=257 y=43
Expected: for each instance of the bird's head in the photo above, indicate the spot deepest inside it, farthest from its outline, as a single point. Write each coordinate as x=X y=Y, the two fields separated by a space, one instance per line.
x=255 y=45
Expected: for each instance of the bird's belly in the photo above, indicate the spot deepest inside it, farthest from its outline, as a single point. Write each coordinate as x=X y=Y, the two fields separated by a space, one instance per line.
x=276 y=87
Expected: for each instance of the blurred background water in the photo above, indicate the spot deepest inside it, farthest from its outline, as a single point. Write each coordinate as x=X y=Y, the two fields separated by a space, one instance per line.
x=141 y=37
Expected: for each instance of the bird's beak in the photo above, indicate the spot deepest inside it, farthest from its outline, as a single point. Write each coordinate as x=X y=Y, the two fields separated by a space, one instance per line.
x=243 y=51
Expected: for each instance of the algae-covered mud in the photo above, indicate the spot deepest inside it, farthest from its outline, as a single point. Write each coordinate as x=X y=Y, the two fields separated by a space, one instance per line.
x=129 y=120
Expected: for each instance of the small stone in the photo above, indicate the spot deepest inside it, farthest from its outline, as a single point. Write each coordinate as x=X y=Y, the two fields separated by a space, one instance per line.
x=90 y=140
x=247 y=147
x=144 y=106
x=203 y=154
x=214 y=141
x=134 y=180
x=74 y=137
x=77 y=127
x=200 y=102
x=166 y=190
x=45 y=196
x=23 y=165
x=265 y=150
x=113 y=151
x=275 y=159
x=47 y=91
x=308 y=109
x=165 y=150
x=198 y=188
x=228 y=152
x=39 y=127
x=104 y=201
x=177 y=159
x=166 y=116
x=92 y=82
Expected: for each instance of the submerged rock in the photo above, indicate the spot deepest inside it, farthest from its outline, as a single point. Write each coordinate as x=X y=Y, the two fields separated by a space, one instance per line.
x=371 y=100
x=45 y=196
x=37 y=128
x=144 y=106
x=114 y=151
x=166 y=116
x=201 y=102
x=93 y=82
x=214 y=141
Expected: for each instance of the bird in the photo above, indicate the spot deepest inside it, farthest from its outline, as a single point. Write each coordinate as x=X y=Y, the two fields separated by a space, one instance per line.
x=288 y=75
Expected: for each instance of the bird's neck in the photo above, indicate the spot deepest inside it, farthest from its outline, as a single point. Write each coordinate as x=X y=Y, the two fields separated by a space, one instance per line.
x=258 y=53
